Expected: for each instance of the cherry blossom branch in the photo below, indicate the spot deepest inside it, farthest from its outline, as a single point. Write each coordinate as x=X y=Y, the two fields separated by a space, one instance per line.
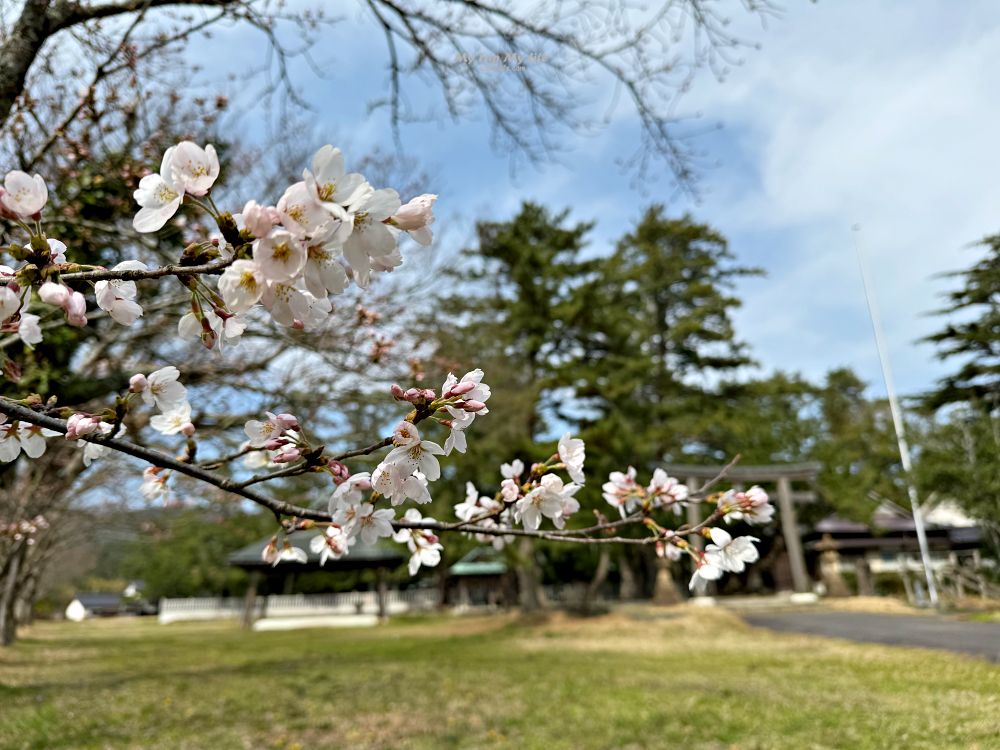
x=279 y=507
x=384 y=443
x=103 y=274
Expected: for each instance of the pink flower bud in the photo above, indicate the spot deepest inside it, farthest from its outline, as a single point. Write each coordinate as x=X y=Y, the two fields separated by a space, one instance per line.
x=188 y=429
x=397 y=392
x=415 y=214
x=53 y=294
x=137 y=383
x=288 y=456
x=473 y=405
x=460 y=388
x=76 y=310
x=429 y=394
x=338 y=471
x=259 y=219
x=274 y=444
x=79 y=425
x=287 y=421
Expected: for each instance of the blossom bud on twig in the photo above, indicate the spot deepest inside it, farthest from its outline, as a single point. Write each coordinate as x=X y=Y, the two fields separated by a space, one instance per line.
x=460 y=389
x=137 y=383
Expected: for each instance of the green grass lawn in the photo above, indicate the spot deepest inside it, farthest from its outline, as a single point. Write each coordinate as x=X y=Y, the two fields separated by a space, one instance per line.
x=636 y=679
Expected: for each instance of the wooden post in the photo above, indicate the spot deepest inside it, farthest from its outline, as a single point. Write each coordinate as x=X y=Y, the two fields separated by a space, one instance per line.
x=790 y=531
x=866 y=587
x=250 y=600
x=381 y=593
x=694 y=515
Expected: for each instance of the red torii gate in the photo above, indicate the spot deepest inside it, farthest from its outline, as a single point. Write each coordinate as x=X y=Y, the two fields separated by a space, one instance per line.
x=781 y=477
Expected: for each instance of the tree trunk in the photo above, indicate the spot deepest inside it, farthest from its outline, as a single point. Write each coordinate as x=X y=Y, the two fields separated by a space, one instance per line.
x=8 y=595
x=600 y=576
x=629 y=587
x=529 y=579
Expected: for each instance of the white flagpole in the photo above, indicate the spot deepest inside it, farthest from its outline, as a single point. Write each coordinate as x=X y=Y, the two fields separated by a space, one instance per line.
x=897 y=419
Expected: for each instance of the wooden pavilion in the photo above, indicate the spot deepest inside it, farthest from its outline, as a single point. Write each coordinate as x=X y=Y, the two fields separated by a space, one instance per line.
x=380 y=557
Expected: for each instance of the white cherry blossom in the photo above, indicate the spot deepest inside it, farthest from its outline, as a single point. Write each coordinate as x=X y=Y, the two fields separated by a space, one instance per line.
x=220 y=331
x=619 y=490
x=305 y=217
x=23 y=195
x=423 y=544
x=323 y=273
x=194 y=169
x=572 y=453
x=706 y=569
x=163 y=389
x=29 y=330
x=241 y=285
x=551 y=498
x=279 y=257
x=330 y=186
x=260 y=432
x=666 y=491
x=370 y=524
x=173 y=420
x=332 y=544
x=350 y=491
x=10 y=302
x=370 y=237
x=513 y=470
x=158 y=196
x=118 y=297
x=729 y=553
x=420 y=457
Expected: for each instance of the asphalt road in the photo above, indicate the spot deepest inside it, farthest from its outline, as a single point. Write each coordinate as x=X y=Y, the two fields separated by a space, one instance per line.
x=929 y=631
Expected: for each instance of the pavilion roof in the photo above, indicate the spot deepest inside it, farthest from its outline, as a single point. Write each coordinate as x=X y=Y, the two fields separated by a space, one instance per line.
x=480 y=561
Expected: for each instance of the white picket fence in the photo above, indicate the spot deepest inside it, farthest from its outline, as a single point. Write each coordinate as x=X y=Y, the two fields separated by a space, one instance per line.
x=297 y=605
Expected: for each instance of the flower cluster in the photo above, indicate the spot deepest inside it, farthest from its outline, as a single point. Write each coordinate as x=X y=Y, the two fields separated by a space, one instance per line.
x=279 y=435
x=161 y=389
x=752 y=506
x=330 y=228
x=22 y=199
x=362 y=507
x=425 y=549
x=26 y=529
x=528 y=498
x=724 y=554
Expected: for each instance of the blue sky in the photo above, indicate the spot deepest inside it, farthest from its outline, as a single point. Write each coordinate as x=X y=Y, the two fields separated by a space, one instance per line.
x=878 y=114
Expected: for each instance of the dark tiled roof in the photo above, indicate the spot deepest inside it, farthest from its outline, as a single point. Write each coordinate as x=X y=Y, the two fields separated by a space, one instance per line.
x=102 y=601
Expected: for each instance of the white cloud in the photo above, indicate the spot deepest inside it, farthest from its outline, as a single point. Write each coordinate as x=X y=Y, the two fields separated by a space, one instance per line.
x=857 y=113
